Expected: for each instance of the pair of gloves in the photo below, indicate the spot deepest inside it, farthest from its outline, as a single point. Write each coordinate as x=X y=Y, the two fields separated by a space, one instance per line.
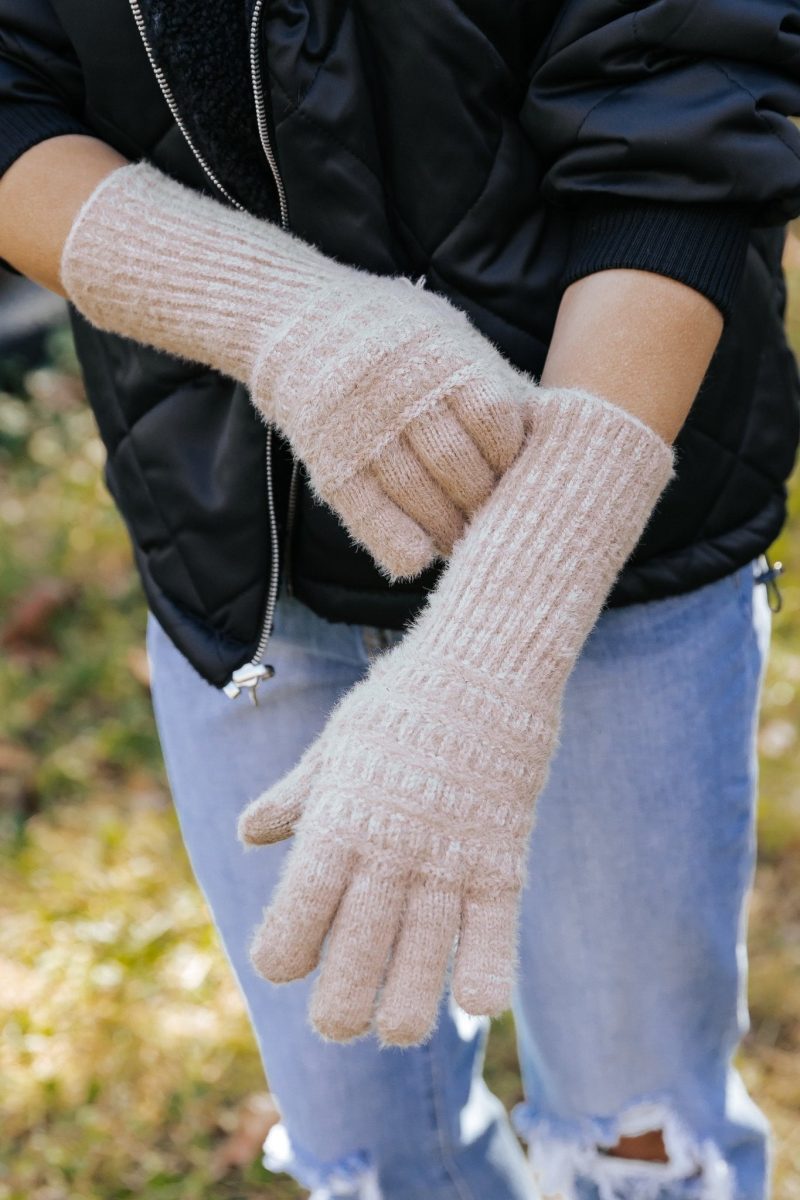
x=412 y=811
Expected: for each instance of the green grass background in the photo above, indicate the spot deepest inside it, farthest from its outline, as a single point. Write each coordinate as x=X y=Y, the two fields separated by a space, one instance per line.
x=127 y=1068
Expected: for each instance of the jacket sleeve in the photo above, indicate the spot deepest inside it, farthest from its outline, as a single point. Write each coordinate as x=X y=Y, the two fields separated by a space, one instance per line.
x=41 y=89
x=665 y=127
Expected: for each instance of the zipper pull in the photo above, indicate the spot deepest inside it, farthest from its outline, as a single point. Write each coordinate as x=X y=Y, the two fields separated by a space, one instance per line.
x=247 y=678
x=769 y=573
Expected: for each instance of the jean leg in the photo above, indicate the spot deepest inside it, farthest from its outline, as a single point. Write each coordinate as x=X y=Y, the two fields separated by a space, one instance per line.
x=357 y=1120
x=632 y=1000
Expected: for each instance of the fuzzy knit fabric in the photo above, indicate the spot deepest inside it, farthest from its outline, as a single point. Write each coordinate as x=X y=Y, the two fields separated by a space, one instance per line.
x=413 y=809
x=403 y=414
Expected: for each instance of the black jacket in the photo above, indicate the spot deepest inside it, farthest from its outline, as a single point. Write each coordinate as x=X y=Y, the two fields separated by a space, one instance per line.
x=501 y=149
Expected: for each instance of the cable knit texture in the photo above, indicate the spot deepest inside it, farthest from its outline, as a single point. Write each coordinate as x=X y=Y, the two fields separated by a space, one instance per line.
x=403 y=414
x=413 y=809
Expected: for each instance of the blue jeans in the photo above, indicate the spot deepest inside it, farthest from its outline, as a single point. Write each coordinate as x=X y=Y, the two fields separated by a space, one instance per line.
x=631 y=995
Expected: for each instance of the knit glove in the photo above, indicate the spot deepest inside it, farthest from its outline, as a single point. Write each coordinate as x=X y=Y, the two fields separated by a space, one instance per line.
x=403 y=414
x=413 y=809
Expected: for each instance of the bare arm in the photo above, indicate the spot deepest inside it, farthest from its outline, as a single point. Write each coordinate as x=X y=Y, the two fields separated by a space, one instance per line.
x=644 y=342
x=40 y=197
x=640 y=340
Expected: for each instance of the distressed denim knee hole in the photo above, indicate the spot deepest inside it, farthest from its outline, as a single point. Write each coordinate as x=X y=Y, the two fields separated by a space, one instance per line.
x=569 y=1155
x=643 y=1147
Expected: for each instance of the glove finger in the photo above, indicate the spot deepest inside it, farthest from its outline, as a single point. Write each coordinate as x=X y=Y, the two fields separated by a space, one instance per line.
x=396 y=542
x=289 y=942
x=274 y=814
x=355 y=957
x=415 y=981
x=494 y=418
x=408 y=484
x=450 y=455
x=486 y=954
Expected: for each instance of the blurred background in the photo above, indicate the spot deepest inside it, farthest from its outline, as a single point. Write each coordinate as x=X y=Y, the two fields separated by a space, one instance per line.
x=126 y=1065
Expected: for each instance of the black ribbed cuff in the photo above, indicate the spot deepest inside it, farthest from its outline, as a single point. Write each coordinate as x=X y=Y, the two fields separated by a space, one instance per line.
x=703 y=246
x=23 y=125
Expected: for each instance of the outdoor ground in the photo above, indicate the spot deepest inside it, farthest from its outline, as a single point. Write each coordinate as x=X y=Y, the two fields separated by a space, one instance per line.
x=126 y=1064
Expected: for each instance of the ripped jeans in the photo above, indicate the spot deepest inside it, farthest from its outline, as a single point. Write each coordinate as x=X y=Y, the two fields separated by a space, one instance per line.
x=631 y=995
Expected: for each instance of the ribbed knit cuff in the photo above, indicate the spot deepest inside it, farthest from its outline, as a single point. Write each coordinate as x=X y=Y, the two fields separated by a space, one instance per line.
x=528 y=579
x=24 y=125
x=703 y=246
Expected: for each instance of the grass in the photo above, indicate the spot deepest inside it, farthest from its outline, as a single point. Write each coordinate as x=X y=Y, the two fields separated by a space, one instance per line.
x=127 y=1067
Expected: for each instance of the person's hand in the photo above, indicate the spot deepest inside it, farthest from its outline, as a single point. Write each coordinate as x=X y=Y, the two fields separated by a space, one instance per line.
x=412 y=810
x=403 y=414
x=411 y=816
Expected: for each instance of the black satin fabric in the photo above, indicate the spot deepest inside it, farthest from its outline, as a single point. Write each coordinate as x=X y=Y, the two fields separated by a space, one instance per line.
x=474 y=143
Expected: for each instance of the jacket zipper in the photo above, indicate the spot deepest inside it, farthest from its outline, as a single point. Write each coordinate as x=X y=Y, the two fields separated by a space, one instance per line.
x=261 y=111
x=291 y=510
x=257 y=80
x=252 y=673
x=166 y=92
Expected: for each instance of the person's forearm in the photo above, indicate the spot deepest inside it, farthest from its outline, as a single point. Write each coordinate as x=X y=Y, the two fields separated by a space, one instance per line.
x=403 y=416
x=40 y=197
x=640 y=340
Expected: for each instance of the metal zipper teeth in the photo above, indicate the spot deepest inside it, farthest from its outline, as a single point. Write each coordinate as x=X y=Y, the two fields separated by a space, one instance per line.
x=266 y=145
x=274 y=575
x=261 y=112
x=291 y=510
x=166 y=91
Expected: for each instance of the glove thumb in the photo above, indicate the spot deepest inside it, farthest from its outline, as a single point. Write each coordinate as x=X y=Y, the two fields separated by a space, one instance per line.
x=273 y=816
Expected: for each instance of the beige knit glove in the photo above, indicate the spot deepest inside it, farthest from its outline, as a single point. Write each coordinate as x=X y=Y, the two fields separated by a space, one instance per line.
x=403 y=414
x=412 y=811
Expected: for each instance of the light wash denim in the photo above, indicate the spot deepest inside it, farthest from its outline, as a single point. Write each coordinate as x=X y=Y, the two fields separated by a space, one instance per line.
x=631 y=995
